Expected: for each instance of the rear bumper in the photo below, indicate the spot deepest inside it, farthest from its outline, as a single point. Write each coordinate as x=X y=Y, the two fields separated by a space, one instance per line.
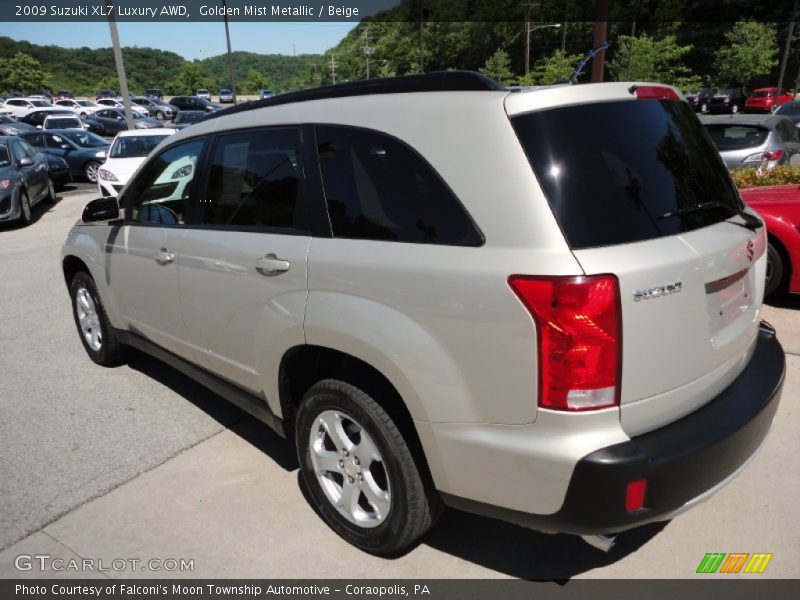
x=682 y=462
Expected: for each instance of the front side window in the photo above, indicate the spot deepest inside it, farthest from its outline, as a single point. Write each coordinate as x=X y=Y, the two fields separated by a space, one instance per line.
x=254 y=180
x=377 y=188
x=23 y=150
x=160 y=193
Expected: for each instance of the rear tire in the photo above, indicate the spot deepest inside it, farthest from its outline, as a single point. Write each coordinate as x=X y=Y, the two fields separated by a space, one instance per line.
x=159 y=115
x=51 y=192
x=775 y=271
x=359 y=471
x=90 y=171
x=98 y=336
x=25 y=216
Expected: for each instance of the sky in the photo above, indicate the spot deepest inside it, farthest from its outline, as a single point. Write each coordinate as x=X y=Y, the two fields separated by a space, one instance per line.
x=190 y=40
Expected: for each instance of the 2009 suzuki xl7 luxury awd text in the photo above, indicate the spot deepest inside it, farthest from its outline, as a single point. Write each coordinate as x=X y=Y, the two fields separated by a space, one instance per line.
x=538 y=305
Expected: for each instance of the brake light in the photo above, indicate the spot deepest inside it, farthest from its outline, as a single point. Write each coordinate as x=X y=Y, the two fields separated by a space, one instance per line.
x=579 y=336
x=655 y=92
x=773 y=154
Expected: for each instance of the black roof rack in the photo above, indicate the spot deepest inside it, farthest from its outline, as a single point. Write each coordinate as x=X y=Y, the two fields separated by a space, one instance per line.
x=438 y=81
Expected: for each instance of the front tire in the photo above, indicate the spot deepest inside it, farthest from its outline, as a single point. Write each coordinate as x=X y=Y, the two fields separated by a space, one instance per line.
x=359 y=470
x=90 y=170
x=775 y=271
x=25 y=217
x=97 y=335
x=159 y=115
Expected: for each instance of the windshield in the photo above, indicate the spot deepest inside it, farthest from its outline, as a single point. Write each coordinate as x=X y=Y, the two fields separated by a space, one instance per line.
x=610 y=169
x=6 y=119
x=40 y=103
x=736 y=137
x=727 y=92
x=85 y=139
x=134 y=145
x=63 y=122
x=85 y=103
x=763 y=94
x=188 y=117
x=790 y=108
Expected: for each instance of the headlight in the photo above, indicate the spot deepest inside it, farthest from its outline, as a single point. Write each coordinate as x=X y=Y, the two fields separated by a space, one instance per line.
x=107 y=175
x=182 y=172
x=101 y=154
x=12 y=131
x=5 y=184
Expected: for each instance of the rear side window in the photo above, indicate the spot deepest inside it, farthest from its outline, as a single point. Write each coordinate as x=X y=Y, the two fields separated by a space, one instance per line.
x=377 y=188
x=612 y=171
x=254 y=180
x=737 y=137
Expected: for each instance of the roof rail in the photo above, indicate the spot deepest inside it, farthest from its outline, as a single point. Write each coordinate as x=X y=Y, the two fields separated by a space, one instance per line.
x=437 y=81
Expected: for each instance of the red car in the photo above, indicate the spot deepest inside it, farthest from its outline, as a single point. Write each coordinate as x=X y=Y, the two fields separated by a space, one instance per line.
x=779 y=206
x=765 y=99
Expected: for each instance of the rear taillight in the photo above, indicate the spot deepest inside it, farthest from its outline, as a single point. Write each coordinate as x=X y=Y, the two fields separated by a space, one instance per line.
x=579 y=334
x=655 y=92
x=758 y=157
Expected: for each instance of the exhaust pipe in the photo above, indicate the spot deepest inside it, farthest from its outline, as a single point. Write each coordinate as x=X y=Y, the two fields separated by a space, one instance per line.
x=601 y=542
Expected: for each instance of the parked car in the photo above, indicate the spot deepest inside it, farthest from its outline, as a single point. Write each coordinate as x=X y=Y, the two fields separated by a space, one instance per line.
x=203 y=93
x=186 y=118
x=767 y=99
x=156 y=108
x=153 y=93
x=754 y=140
x=19 y=107
x=24 y=180
x=226 y=96
x=36 y=117
x=114 y=103
x=730 y=100
x=699 y=99
x=10 y=126
x=790 y=110
x=194 y=103
x=113 y=121
x=83 y=108
x=83 y=150
x=128 y=150
x=264 y=94
x=64 y=95
x=59 y=171
x=779 y=206
x=105 y=94
x=449 y=315
x=57 y=121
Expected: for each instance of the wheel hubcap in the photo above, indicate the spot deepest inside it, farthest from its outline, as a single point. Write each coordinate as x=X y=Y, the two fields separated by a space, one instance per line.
x=350 y=469
x=91 y=173
x=88 y=319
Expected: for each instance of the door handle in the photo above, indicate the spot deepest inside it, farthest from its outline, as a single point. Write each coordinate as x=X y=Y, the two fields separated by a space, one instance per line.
x=163 y=257
x=271 y=265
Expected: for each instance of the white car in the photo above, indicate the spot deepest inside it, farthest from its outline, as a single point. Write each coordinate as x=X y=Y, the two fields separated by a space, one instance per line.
x=83 y=107
x=112 y=103
x=127 y=152
x=203 y=93
x=59 y=121
x=19 y=107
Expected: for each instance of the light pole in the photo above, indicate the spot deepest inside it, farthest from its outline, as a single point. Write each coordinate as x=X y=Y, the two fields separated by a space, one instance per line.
x=528 y=31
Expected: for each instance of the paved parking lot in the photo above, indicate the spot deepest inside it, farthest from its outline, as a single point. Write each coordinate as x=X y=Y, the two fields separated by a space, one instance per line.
x=141 y=462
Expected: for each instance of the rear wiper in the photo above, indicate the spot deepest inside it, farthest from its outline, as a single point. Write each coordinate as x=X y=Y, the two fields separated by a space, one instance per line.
x=751 y=222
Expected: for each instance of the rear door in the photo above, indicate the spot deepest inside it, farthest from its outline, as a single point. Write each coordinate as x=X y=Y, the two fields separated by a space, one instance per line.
x=640 y=192
x=242 y=271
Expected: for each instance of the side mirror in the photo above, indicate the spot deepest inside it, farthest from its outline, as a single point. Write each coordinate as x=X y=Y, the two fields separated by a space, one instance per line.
x=101 y=209
x=26 y=162
x=66 y=147
x=38 y=127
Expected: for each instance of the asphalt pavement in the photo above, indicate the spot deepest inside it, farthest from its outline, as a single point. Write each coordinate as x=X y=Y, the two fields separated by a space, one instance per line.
x=139 y=462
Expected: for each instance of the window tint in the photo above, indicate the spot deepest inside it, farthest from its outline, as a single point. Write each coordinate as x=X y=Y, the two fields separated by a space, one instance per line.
x=35 y=140
x=254 y=180
x=160 y=193
x=5 y=160
x=22 y=150
x=612 y=171
x=377 y=188
x=737 y=137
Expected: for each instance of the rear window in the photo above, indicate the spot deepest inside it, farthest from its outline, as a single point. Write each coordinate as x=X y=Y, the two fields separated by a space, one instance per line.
x=790 y=108
x=737 y=137
x=611 y=171
x=762 y=94
x=62 y=122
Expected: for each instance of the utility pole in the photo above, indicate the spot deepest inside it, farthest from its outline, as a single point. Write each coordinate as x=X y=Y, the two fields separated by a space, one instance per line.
x=123 y=80
x=564 y=31
x=228 y=39
x=421 y=38
x=333 y=68
x=366 y=48
x=528 y=8
x=786 y=52
x=600 y=24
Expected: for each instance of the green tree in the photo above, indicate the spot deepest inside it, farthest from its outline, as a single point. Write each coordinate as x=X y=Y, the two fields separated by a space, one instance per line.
x=190 y=78
x=555 y=67
x=751 y=50
x=23 y=73
x=255 y=81
x=644 y=59
x=498 y=66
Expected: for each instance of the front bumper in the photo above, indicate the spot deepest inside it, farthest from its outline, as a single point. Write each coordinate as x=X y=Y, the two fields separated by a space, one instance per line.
x=681 y=462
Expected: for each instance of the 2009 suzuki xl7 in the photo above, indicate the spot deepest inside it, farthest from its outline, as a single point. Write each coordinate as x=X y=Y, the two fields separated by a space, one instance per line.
x=539 y=305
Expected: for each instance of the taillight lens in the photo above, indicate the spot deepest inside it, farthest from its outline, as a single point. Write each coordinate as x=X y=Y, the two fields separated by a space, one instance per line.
x=758 y=157
x=579 y=332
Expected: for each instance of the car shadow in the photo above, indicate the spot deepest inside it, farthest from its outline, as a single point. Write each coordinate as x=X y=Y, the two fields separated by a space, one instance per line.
x=785 y=300
x=502 y=547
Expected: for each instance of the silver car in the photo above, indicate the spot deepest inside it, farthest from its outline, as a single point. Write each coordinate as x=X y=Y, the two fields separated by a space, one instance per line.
x=543 y=306
x=754 y=140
